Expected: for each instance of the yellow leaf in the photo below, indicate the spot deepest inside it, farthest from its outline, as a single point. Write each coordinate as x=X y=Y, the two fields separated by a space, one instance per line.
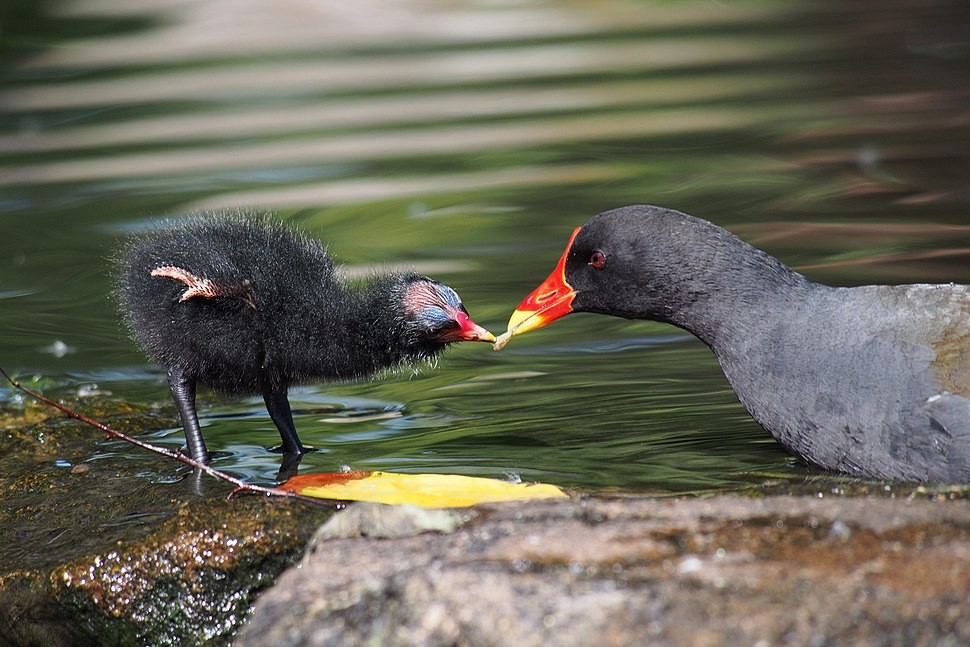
x=427 y=490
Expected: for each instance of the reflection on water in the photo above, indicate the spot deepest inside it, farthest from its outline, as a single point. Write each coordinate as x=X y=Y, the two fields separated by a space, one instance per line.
x=466 y=140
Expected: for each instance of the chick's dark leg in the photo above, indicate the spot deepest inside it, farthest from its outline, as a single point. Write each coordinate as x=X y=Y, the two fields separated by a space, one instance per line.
x=183 y=392
x=278 y=406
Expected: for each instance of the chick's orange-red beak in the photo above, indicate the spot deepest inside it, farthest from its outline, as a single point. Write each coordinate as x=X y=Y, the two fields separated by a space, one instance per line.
x=551 y=300
x=468 y=330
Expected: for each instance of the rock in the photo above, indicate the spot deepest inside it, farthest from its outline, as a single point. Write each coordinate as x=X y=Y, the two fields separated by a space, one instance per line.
x=726 y=570
x=387 y=521
x=128 y=551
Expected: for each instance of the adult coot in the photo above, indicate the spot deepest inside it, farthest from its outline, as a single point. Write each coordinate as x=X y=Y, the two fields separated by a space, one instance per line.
x=246 y=305
x=872 y=381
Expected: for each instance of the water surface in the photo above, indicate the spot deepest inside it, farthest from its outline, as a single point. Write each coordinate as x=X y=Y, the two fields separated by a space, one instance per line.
x=467 y=140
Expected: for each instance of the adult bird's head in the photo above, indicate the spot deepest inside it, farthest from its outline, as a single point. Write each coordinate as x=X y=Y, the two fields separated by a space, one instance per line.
x=611 y=265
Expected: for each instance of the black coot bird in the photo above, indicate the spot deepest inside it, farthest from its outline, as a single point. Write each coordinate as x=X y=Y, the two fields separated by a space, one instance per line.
x=872 y=381
x=246 y=305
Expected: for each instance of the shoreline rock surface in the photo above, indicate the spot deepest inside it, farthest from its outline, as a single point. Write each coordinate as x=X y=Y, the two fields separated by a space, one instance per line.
x=720 y=570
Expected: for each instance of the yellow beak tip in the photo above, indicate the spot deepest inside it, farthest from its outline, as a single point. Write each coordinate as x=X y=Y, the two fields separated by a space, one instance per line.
x=517 y=319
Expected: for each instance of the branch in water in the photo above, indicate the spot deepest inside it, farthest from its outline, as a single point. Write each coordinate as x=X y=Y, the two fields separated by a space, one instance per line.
x=241 y=486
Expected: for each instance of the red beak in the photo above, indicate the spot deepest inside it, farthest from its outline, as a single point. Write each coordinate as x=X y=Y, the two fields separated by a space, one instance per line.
x=551 y=300
x=468 y=330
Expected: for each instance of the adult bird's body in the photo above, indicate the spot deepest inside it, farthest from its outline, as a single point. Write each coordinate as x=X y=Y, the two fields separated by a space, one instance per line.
x=246 y=305
x=872 y=381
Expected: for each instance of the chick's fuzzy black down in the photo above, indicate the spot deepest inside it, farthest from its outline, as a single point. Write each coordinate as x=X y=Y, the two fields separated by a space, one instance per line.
x=282 y=325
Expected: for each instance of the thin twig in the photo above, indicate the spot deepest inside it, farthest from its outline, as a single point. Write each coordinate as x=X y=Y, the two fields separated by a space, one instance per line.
x=241 y=486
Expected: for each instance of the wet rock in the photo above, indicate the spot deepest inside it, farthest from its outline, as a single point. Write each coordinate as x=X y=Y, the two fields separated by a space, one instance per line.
x=128 y=552
x=190 y=581
x=726 y=570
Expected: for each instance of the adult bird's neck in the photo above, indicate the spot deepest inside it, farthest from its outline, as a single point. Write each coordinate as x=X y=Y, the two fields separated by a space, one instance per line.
x=729 y=293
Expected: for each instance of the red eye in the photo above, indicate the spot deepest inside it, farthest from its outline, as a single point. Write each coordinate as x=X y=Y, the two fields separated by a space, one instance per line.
x=597 y=259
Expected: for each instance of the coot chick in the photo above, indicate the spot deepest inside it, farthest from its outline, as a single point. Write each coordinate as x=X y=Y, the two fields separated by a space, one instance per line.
x=246 y=305
x=872 y=381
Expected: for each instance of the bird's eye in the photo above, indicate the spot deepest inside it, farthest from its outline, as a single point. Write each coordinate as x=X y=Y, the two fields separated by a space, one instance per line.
x=442 y=329
x=597 y=260
x=436 y=322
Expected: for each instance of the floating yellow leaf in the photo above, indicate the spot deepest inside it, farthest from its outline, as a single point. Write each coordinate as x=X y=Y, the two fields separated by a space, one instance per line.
x=427 y=490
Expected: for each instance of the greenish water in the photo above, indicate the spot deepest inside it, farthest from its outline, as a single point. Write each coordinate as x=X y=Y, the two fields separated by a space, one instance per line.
x=467 y=141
